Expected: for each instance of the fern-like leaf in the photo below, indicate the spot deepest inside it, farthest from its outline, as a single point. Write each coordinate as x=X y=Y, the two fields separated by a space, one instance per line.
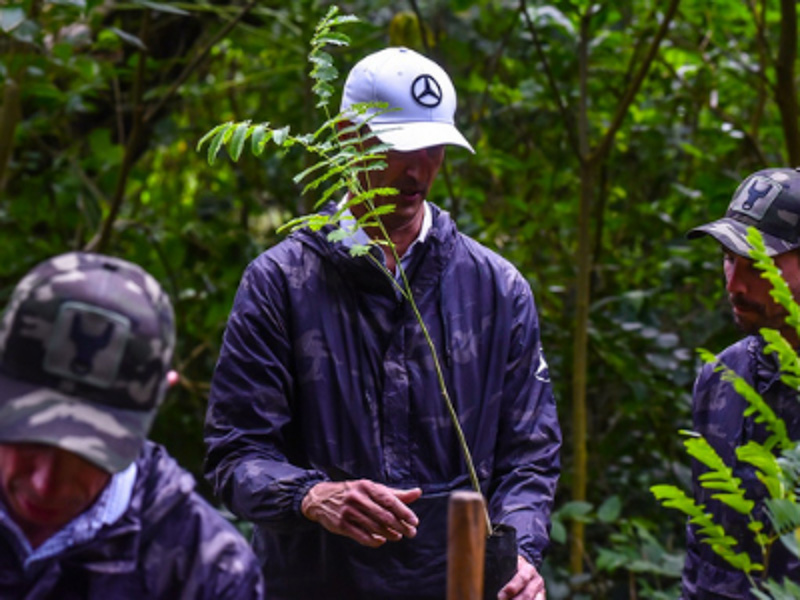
x=240 y=133
x=780 y=288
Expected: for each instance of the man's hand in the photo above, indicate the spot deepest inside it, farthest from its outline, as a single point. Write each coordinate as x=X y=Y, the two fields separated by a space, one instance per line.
x=368 y=512
x=527 y=584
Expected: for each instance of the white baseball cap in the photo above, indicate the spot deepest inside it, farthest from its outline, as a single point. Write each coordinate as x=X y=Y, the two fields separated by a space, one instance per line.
x=420 y=95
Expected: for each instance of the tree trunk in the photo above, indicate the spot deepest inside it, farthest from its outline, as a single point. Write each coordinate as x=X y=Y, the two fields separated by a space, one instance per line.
x=583 y=295
x=785 y=89
x=10 y=114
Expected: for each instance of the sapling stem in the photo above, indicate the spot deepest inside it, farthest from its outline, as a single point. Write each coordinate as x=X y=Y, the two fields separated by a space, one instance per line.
x=405 y=290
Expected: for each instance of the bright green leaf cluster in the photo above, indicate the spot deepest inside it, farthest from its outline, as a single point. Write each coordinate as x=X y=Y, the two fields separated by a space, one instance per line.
x=714 y=534
x=780 y=289
x=323 y=70
x=719 y=476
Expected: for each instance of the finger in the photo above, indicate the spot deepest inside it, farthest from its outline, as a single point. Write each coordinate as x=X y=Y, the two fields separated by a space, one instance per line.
x=394 y=514
x=357 y=532
x=526 y=584
x=407 y=496
x=512 y=588
x=370 y=518
x=400 y=499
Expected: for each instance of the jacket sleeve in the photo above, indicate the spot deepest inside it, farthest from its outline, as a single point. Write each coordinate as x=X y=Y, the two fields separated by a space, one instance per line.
x=249 y=423
x=527 y=463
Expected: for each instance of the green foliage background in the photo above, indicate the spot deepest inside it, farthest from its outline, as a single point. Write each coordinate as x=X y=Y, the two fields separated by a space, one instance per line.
x=102 y=104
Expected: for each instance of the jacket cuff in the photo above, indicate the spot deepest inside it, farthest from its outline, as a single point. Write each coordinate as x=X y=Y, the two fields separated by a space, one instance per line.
x=302 y=490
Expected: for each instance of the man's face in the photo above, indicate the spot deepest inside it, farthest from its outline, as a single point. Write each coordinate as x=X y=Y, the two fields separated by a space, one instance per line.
x=46 y=487
x=412 y=174
x=749 y=292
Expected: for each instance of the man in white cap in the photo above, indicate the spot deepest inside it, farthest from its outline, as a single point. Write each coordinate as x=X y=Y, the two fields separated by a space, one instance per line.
x=326 y=426
x=89 y=508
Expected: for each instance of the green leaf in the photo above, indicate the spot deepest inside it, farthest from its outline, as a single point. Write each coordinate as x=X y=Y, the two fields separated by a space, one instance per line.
x=129 y=38
x=324 y=91
x=210 y=134
x=320 y=58
x=257 y=139
x=279 y=136
x=767 y=469
x=165 y=8
x=558 y=533
x=344 y=19
x=219 y=138
x=359 y=250
x=339 y=234
x=792 y=542
x=610 y=510
x=576 y=510
x=238 y=139
x=784 y=513
x=326 y=73
x=333 y=38
x=736 y=502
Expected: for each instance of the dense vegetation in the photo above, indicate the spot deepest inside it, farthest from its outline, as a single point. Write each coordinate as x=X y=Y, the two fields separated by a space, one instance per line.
x=604 y=131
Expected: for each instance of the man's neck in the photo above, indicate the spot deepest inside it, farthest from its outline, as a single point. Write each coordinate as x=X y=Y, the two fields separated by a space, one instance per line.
x=401 y=237
x=402 y=234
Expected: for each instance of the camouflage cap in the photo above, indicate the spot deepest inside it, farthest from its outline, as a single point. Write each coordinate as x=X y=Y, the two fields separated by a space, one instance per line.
x=768 y=200
x=85 y=345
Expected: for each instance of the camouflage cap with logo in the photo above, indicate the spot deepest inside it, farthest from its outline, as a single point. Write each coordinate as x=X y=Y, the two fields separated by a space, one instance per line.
x=85 y=346
x=768 y=200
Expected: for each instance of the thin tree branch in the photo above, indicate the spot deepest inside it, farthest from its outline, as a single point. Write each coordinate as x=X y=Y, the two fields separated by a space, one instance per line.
x=199 y=57
x=10 y=115
x=785 y=89
x=762 y=42
x=90 y=184
x=707 y=41
x=99 y=242
x=423 y=33
x=491 y=69
x=749 y=137
x=630 y=93
x=551 y=80
x=118 y=109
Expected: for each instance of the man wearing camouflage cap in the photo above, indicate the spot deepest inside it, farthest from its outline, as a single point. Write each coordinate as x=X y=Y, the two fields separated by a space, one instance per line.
x=768 y=200
x=88 y=507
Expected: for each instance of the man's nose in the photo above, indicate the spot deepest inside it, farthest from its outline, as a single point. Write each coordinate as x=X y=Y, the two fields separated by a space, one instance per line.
x=420 y=161
x=739 y=273
x=45 y=476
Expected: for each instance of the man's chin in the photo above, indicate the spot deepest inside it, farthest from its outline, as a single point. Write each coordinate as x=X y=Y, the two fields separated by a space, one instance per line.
x=747 y=326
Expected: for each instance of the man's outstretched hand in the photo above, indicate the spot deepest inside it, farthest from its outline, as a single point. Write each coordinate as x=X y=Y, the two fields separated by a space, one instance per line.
x=368 y=512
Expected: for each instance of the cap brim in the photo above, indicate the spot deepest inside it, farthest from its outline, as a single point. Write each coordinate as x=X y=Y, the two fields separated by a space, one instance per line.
x=407 y=137
x=108 y=437
x=733 y=235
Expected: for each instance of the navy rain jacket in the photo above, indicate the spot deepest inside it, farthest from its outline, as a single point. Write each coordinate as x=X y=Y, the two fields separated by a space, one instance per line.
x=169 y=545
x=324 y=374
x=719 y=416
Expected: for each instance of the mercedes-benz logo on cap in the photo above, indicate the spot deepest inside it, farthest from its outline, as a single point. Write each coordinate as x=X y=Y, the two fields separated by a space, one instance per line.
x=426 y=91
